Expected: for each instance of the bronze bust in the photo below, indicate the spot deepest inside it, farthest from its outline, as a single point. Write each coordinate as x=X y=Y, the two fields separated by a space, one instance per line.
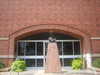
x=52 y=38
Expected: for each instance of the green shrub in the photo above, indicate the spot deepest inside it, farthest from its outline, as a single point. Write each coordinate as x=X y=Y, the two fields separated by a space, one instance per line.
x=19 y=66
x=77 y=64
x=2 y=65
x=96 y=63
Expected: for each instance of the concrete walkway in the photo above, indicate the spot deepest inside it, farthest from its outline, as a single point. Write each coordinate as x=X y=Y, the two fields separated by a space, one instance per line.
x=41 y=72
x=27 y=72
x=68 y=72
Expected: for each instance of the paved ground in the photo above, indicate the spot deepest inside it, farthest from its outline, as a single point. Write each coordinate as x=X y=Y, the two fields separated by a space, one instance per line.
x=28 y=72
x=41 y=72
x=68 y=72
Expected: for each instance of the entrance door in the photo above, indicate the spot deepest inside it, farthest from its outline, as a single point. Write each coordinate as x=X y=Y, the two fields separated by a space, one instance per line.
x=33 y=52
x=68 y=50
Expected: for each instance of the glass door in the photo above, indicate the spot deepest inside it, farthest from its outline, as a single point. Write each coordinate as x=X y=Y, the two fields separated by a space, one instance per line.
x=68 y=50
x=34 y=52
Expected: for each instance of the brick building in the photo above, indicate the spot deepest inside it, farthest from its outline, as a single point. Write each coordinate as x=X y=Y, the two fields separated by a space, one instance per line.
x=25 y=27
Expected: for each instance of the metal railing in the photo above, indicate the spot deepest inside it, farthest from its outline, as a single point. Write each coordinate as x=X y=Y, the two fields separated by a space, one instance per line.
x=13 y=66
x=91 y=66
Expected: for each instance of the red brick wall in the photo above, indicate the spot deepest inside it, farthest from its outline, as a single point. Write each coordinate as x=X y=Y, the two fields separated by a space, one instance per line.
x=82 y=15
x=3 y=47
x=5 y=61
x=79 y=14
x=96 y=46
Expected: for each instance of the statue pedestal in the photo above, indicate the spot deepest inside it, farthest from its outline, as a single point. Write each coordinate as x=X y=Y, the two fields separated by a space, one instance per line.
x=52 y=61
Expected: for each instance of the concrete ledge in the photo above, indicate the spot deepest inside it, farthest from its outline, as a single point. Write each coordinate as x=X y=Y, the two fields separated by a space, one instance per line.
x=96 y=69
x=5 y=70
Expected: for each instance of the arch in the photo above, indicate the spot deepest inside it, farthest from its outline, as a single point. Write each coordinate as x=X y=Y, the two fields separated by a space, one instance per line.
x=85 y=38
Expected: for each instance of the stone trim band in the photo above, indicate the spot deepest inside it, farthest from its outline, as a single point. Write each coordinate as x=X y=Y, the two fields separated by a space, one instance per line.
x=95 y=38
x=96 y=55
x=7 y=56
x=92 y=55
x=4 y=38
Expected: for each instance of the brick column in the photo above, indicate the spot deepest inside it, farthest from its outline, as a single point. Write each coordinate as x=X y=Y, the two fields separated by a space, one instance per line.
x=52 y=61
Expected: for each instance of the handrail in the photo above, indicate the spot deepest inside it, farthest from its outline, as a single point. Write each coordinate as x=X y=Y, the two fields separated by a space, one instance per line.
x=91 y=66
x=13 y=66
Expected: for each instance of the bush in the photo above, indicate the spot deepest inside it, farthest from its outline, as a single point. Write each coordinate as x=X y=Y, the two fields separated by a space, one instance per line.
x=2 y=65
x=96 y=63
x=19 y=66
x=77 y=64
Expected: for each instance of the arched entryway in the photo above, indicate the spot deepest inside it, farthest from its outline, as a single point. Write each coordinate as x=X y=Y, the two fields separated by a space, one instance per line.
x=77 y=35
x=33 y=49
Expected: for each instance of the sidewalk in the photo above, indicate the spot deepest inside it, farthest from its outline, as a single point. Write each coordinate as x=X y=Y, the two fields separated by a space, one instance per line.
x=28 y=72
x=68 y=72
x=64 y=72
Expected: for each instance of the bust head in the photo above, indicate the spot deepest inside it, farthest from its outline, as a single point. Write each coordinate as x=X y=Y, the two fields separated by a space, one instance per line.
x=52 y=38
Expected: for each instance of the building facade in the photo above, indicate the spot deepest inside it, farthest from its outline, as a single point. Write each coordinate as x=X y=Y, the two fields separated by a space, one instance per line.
x=25 y=27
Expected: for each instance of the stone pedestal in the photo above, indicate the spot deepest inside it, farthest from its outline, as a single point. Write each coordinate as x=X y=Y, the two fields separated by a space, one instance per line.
x=52 y=61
